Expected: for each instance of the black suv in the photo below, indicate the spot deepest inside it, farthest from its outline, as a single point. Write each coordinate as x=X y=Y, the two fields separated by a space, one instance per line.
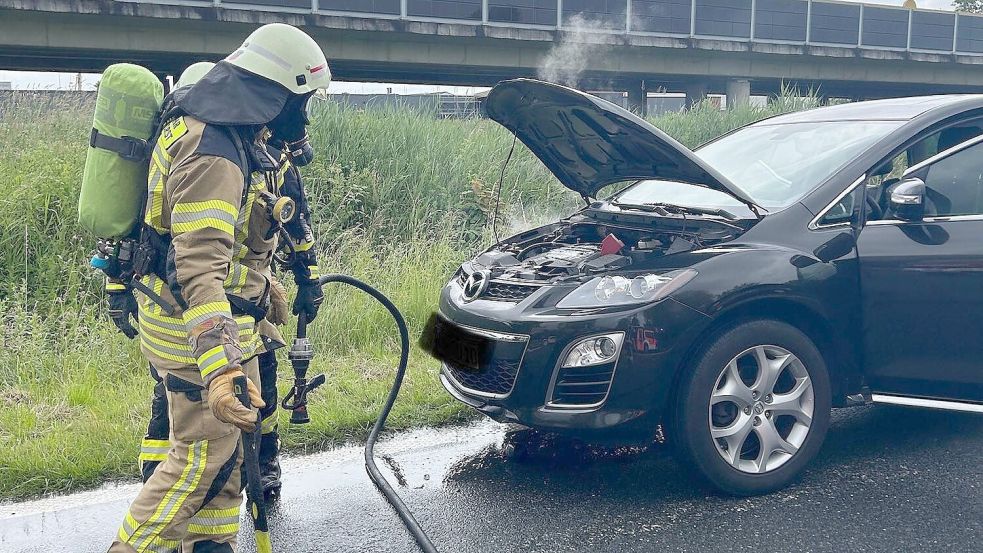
x=725 y=299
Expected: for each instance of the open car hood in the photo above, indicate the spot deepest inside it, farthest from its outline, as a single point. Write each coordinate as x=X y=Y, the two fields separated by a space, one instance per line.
x=589 y=143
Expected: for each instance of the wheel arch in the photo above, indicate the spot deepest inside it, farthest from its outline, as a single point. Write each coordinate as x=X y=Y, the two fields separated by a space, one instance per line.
x=840 y=357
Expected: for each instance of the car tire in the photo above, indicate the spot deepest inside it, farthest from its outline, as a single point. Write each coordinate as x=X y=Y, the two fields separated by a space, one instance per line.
x=721 y=429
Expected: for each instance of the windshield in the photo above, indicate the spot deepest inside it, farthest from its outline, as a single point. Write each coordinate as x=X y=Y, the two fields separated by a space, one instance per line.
x=775 y=165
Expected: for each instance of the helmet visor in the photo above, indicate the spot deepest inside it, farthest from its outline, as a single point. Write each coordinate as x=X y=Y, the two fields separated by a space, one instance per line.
x=313 y=105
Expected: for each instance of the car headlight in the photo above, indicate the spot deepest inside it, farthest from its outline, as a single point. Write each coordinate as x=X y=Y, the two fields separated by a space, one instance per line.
x=618 y=290
x=595 y=350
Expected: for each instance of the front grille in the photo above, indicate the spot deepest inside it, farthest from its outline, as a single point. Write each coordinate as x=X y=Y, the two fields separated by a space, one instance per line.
x=502 y=291
x=582 y=386
x=495 y=379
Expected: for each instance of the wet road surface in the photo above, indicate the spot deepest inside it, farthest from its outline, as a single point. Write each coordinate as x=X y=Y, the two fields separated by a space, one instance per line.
x=888 y=479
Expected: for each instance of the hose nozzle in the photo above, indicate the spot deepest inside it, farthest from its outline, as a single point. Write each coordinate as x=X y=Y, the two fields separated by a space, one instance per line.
x=301 y=353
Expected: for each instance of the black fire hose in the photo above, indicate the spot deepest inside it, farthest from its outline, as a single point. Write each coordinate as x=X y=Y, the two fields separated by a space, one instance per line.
x=374 y=473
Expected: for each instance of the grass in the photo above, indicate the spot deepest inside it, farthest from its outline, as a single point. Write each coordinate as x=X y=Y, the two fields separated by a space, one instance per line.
x=399 y=200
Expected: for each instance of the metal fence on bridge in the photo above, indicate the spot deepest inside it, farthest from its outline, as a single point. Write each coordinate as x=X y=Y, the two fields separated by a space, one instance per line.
x=802 y=22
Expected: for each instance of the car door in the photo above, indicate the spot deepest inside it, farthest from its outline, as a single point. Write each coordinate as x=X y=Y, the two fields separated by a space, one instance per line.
x=922 y=286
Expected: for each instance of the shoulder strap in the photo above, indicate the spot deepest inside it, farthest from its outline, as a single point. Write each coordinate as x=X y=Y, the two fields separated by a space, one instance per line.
x=246 y=160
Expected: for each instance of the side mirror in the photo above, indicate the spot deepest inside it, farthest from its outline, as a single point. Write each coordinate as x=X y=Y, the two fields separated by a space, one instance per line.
x=908 y=199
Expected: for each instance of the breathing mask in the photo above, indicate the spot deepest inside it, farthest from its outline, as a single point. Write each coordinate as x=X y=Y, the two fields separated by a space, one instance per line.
x=289 y=129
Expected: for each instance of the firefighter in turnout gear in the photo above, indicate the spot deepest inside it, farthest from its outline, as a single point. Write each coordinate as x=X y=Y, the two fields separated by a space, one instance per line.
x=211 y=182
x=303 y=263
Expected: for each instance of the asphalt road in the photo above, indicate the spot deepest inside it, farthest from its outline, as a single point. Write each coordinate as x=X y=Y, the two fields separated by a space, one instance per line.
x=888 y=479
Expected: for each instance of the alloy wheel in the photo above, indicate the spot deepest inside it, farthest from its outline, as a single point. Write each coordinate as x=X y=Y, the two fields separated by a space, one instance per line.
x=761 y=409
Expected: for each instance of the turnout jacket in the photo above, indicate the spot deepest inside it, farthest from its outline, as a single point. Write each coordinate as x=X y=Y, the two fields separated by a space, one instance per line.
x=221 y=244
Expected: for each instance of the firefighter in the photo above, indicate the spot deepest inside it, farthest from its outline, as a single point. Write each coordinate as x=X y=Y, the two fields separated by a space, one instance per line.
x=207 y=218
x=155 y=444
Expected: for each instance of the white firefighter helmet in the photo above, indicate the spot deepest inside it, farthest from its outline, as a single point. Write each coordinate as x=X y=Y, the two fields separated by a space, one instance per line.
x=284 y=54
x=193 y=74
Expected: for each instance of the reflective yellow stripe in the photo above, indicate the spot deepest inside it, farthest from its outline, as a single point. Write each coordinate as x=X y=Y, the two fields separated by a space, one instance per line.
x=303 y=246
x=161 y=545
x=218 y=513
x=199 y=313
x=199 y=224
x=158 y=289
x=216 y=530
x=246 y=324
x=269 y=424
x=157 y=159
x=168 y=322
x=236 y=279
x=129 y=526
x=191 y=216
x=179 y=348
x=184 y=359
x=216 y=365
x=197 y=207
x=212 y=360
x=150 y=324
x=171 y=503
x=154 y=450
x=115 y=286
x=215 y=521
x=155 y=190
x=217 y=350
x=249 y=346
x=151 y=457
x=180 y=353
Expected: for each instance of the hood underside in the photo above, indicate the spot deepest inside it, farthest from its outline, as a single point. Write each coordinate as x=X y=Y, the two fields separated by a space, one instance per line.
x=589 y=143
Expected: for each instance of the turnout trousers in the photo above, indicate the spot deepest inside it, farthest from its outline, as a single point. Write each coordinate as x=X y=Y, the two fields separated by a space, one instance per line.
x=156 y=444
x=191 y=501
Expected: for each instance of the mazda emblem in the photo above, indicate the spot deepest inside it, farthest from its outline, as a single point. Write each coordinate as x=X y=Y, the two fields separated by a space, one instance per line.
x=476 y=284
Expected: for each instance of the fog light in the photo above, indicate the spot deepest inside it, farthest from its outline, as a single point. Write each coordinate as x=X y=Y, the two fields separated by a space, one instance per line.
x=596 y=350
x=605 y=347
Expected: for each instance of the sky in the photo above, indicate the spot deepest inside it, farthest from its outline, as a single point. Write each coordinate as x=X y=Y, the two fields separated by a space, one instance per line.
x=36 y=80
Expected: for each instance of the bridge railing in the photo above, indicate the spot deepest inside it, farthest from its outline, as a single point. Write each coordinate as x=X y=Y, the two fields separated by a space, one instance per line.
x=800 y=22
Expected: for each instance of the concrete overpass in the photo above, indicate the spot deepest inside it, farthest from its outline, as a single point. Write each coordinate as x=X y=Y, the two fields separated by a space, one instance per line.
x=696 y=46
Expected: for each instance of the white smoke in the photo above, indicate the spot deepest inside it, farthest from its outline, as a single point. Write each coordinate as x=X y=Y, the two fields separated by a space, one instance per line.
x=580 y=46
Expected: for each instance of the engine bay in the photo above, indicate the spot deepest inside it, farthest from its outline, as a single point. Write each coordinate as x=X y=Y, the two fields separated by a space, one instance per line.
x=574 y=249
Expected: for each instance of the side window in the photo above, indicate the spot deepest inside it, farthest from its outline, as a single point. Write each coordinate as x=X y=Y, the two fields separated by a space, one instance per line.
x=954 y=185
x=842 y=211
x=886 y=175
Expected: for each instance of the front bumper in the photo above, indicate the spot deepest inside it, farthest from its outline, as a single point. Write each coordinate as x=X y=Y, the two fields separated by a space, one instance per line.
x=656 y=339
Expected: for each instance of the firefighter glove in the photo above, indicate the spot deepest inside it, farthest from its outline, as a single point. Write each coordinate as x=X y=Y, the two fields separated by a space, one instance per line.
x=226 y=406
x=308 y=300
x=122 y=306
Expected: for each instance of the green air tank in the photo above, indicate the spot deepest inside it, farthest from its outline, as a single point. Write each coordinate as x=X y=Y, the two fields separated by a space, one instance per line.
x=115 y=178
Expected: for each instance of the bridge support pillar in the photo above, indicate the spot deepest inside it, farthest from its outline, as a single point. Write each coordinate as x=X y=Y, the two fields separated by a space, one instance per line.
x=738 y=93
x=696 y=92
x=638 y=98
